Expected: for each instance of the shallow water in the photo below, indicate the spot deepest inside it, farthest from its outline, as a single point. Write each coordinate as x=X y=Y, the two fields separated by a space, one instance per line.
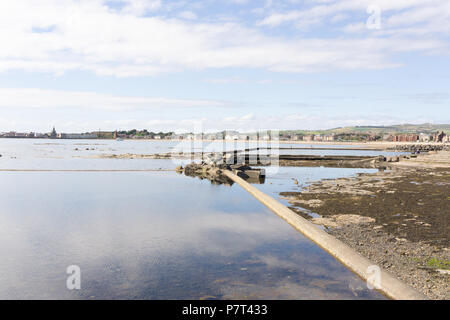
x=282 y=179
x=369 y=153
x=152 y=235
x=45 y=154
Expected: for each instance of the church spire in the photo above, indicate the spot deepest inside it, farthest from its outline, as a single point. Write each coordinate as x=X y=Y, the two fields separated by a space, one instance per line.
x=53 y=134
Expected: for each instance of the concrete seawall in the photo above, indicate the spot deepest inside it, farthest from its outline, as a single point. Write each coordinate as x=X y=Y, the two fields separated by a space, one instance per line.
x=388 y=285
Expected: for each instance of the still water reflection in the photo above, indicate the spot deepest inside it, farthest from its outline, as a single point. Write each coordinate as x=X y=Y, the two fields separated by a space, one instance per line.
x=154 y=235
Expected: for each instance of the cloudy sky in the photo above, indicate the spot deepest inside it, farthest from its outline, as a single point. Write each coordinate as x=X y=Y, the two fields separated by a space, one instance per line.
x=82 y=65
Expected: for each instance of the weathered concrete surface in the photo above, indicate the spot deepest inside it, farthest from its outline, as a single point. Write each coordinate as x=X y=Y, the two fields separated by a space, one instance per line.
x=242 y=157
x=389 y=285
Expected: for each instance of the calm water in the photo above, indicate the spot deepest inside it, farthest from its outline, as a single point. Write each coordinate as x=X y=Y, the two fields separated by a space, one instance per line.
x=151 y=235
x=83 y=154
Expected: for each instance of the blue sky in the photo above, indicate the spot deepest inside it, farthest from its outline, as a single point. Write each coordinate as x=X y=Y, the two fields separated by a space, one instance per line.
x=165 y=65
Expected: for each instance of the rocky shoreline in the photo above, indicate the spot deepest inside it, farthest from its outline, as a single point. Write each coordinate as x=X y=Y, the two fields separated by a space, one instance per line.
x=420 y=147
x=399 y=219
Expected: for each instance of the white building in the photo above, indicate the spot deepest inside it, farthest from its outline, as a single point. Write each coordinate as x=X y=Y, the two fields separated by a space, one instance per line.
x=21 y=135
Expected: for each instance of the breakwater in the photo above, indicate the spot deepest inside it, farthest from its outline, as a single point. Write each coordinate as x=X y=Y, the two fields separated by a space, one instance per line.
x=386 y=283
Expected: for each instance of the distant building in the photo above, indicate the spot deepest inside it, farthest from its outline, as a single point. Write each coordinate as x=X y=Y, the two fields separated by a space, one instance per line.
x=244 y=137
x=53 y=134
x=318 y=137
x=210 y=137
x=425 y=137
x=231 y=137
x=77 y=136
x=406 y=138
x=20 y=135
x=177 y=136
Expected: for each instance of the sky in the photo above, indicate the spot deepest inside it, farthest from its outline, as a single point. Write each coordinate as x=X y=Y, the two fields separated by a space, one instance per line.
x=210 y=65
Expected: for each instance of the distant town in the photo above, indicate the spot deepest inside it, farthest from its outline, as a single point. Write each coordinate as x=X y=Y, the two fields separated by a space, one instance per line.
x=351 y=134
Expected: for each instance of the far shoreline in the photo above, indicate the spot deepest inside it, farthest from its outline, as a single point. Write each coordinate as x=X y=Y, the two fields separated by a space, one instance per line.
x=366 y=144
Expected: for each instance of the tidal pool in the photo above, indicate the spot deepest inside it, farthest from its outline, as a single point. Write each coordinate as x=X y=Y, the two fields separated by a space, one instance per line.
x=155 y=235
x=151 y=235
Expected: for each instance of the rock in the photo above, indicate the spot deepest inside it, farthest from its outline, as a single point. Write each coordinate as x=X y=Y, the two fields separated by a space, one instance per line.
x=442 y=271
x=326 y=222
x=353 y=219
x=418 y=148
x=315 y=203
x=342 y=220
x=207 y=171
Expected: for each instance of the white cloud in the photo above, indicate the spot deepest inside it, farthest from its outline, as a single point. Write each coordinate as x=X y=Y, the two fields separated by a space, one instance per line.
x=189 y=15
x=41 y=98
x=140 y=7
x=233 y=79
x=87 y=35
x=397 y=15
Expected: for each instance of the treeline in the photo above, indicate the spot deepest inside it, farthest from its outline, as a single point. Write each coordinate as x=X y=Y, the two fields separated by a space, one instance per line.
x=145 y=133
x=357 y=137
